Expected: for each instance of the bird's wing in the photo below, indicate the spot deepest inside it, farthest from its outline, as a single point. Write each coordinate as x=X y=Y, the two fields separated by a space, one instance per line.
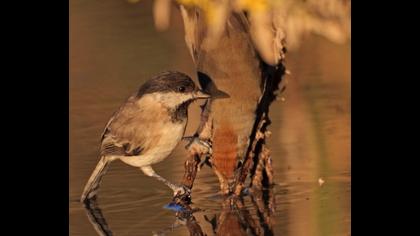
x=131 y=131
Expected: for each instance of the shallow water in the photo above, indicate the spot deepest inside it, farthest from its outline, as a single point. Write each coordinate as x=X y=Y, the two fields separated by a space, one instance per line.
x=114 y=48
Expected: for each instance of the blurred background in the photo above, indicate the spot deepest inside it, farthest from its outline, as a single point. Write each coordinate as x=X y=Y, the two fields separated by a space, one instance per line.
x=114 y=48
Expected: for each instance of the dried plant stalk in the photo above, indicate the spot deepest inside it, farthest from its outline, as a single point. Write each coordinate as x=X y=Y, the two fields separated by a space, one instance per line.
x=191 y=167
x=263 y=174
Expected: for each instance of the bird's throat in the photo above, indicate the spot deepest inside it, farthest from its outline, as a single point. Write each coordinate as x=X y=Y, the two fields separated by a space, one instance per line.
x=179 y=113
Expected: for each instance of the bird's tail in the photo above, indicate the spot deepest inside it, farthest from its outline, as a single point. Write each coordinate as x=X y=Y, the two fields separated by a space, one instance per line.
x=92 y=185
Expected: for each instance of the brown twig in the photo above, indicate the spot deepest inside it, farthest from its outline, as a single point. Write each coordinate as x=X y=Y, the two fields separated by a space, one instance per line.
x=263 y=174
x=248 y=164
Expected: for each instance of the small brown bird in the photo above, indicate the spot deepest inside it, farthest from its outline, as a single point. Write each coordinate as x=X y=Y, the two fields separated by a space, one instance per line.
x=146 y=129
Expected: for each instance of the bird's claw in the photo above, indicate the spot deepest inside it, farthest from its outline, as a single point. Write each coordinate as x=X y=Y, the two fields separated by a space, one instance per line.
x=181 y=190
x=182 y=194
x=198 y=146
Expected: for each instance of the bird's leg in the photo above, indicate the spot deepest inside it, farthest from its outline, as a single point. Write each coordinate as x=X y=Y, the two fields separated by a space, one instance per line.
x=147 y=170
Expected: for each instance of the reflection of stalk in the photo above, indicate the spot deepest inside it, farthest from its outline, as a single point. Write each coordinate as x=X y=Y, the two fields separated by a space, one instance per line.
x=188 y=220
x=236 y=219
x=193 y=227
x=264 y=202
x=96 y=217
x=247 y=221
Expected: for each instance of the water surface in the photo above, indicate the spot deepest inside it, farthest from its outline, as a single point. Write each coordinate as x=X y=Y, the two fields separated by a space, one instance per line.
x=114 y=48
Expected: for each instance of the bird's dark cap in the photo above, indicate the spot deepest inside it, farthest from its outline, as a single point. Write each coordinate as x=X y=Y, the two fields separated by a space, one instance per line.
x=167 y=81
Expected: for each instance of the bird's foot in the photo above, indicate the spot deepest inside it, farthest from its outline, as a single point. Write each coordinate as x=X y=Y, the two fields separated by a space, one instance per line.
x=198 y=146
x=181 y=200
x=180 y=190
x=182 y=195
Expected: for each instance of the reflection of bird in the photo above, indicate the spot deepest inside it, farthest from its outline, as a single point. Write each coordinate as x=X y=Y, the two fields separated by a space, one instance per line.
x=147 y=127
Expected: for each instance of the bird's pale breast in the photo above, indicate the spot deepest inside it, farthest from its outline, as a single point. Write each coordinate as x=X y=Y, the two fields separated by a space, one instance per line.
x=169 y=134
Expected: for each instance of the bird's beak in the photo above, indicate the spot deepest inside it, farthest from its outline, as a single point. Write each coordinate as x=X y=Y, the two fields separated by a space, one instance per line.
x=200 y=94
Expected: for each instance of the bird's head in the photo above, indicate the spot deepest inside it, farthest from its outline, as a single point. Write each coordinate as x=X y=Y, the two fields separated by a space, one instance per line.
x=171 y=89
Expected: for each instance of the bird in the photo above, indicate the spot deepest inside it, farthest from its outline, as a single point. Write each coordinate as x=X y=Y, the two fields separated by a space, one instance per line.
x=147 y=128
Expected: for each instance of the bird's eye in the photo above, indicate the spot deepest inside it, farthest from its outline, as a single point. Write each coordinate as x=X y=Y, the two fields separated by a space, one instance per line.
x=181 y=89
